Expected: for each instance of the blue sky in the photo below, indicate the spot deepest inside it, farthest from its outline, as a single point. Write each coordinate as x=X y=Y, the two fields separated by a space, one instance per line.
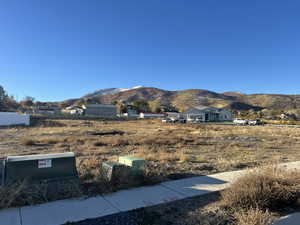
x=59 y=49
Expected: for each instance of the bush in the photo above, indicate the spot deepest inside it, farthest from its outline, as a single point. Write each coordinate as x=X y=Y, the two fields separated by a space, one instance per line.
x=266 y=189
x=28 y=142
x=253 y=217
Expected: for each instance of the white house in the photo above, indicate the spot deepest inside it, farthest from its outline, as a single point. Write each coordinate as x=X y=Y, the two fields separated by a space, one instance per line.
x=206 y=114
x=225 y=115
x=12 y=118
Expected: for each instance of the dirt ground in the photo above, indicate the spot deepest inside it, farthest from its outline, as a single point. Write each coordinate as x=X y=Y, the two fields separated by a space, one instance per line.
x=172 y=150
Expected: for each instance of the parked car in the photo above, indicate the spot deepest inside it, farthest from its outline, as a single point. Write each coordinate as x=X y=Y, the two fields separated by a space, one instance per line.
x=174 y=120
x=255 y=122
x=167 y=120
x=240 y=122
x=181 y=120
x=197 y=120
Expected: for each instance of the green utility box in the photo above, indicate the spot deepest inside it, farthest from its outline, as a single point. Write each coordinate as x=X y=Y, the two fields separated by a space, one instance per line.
x=114 y=171
x=40 y=167
x=137 y=164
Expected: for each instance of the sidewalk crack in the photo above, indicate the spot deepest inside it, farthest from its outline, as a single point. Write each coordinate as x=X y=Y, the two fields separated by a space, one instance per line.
x=20 y=215
x=111 y=204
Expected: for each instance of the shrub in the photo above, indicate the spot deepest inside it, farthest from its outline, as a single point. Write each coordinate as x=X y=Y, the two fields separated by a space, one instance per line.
x=28 y=141
x=99 y=144
x=253 y=217
x=266 y=189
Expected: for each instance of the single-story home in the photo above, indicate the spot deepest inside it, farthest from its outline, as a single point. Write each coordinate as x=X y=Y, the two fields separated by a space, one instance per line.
x=131 y=111
x=174 y=115
x=101 y=110
x=206 y=114
x=45 y=109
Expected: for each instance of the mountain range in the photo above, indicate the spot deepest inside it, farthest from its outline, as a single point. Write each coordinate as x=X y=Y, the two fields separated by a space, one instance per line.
x=109 y=91
x=184 y=99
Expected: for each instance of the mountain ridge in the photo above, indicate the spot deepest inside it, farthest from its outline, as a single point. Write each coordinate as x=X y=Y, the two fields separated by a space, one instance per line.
x=184 y=99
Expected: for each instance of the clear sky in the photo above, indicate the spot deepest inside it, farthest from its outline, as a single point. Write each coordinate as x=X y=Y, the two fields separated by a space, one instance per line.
x=59 y=49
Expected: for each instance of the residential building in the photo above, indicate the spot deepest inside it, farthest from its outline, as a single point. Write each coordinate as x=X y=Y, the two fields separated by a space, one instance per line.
x=174 y=115
x=46 y=109
x=206 y=114
x=101 y=110
x=131 y=111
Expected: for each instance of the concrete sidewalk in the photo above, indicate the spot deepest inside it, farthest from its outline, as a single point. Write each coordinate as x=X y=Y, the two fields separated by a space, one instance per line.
x=74 y=210
x=293 y=219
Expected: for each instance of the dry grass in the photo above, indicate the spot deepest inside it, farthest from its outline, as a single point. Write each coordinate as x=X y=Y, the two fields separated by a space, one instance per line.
x=172 y=150
x=24 y=193
x=253 y=217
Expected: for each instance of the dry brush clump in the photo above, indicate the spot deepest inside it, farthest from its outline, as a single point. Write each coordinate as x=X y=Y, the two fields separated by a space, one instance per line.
x=254 y=198
x=49 y=140
x=253 y=217
x=28 y=141
x=266 y=189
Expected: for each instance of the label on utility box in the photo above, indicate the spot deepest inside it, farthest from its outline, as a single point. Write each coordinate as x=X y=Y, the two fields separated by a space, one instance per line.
x=45 y=163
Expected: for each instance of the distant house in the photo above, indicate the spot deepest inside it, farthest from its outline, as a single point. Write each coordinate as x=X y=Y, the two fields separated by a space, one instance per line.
x=225 y=115
x=73 y=110
x=206 y=114
x=151 y=115
x=131 y=111
x=173 y=114
x=46 y=109
x=101 y=110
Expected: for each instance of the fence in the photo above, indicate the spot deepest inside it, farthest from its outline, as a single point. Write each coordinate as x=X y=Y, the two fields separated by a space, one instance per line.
x=11 y=118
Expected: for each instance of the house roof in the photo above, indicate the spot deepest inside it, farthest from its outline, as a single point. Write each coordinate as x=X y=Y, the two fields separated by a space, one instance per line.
x=205 y=109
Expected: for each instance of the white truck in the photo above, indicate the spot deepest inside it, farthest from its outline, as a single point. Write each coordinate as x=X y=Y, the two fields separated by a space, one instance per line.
x=240 y=122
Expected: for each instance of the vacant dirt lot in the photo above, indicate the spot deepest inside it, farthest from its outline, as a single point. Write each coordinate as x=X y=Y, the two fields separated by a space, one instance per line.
x=173 y=150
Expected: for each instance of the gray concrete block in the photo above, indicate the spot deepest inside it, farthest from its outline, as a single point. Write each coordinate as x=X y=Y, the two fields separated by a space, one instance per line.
x=137 y=164
x=113 y=171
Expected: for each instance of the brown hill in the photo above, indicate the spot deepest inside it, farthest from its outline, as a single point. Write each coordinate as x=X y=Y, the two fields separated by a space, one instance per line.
x=193 y=97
